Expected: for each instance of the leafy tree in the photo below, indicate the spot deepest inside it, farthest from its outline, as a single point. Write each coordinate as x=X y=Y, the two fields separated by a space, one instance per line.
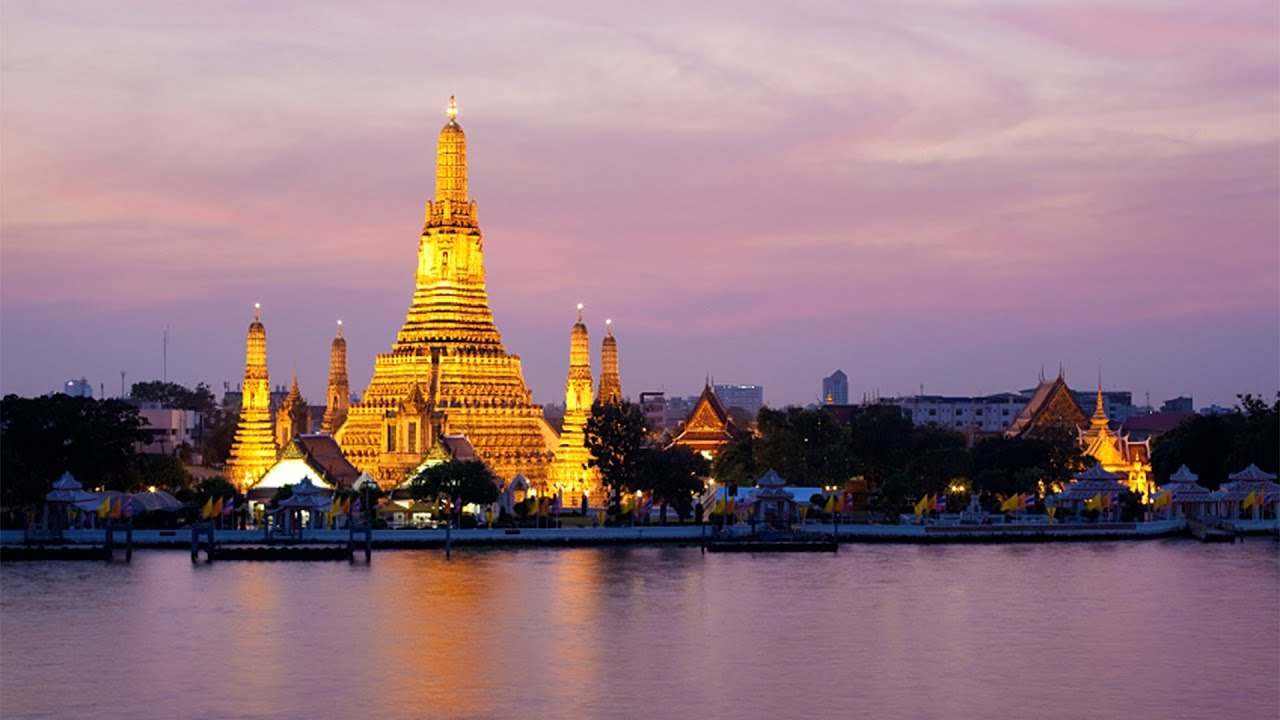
x=163 y=471
x=879 y=443
x=615 y=435
x=1004 y=466
x=673 y=475
x=1203 y=443
x=219 y=435
x=1063 y=457
x=40 y=438
x=469 y=481
x=1258 y=440
x=938 y=456
x=173 y=395
x=735 y=464
x=1214 y=446
x=807 y=447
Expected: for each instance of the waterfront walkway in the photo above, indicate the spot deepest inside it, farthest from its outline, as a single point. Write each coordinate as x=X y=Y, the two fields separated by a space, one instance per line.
x=672 y=534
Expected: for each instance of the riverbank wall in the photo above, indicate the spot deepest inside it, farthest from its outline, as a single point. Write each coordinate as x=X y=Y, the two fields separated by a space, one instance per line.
x=670 y=534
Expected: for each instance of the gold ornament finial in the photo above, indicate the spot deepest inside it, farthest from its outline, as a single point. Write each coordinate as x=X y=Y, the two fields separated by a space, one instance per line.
x=257 y=312
x=339 y=328
x=453 y=108
x=579 y=312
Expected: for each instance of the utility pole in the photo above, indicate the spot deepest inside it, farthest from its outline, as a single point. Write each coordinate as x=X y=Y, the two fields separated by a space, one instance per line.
x=122 y=395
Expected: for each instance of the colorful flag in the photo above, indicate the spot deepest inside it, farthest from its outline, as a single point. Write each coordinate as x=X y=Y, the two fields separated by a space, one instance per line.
x=940 y=504
x=848 y=503
x=557 y=505
x=648 y=504
x=1029 y=501
x=229 y=506
x=1105 y=501
x=356 y=507
x=128 y=507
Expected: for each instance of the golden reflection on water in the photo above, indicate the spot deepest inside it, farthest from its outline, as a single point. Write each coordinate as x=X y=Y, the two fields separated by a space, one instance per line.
x=876 y=631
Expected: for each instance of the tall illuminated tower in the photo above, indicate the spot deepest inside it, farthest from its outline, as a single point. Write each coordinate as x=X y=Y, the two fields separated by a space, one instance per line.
x=339 y=399
x=253 y=451
x=610 y=383
x=448 y=371
x=569 y=471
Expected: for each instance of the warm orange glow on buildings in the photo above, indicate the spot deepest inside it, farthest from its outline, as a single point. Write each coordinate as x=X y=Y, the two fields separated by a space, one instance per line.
x=448 y=371
x=570 y=471
x=339 y=395
x=253 y=451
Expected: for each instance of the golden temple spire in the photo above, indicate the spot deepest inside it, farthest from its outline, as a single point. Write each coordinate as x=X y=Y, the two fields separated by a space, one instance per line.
x=253 y=451
x=451 y=163
x=610 y=383
x=339 y=396
x=570 y=470
x=1099 y=418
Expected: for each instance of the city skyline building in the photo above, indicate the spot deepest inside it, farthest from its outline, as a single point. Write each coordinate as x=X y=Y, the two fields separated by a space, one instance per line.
x=835 y=388
x=749 y=398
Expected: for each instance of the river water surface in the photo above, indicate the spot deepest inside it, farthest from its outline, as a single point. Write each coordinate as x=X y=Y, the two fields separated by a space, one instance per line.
x=1157 y=629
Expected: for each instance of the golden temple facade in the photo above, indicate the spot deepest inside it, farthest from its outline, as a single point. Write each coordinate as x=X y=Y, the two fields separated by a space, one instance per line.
x=253 y=451
x=571 y=472
x=448 y=371
x=1117 y=453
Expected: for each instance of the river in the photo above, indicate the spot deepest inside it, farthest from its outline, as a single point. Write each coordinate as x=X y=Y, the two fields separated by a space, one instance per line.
x=1154 y=629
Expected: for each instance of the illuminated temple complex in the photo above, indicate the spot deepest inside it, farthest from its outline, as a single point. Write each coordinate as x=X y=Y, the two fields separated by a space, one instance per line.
x=570 y=471
x=253 y=451
x=448 y=371
x=1053 y=405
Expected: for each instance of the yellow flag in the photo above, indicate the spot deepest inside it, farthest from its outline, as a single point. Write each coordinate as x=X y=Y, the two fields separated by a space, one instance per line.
x=1162 y=500
x=105 y=508
x=1247 y=502
x=206 y=512
x=719 y=507
x=1093 y=503
x=1052 y=511
x=1009 y=503
x=830 y=507
x=804 y=513
x=921 y=505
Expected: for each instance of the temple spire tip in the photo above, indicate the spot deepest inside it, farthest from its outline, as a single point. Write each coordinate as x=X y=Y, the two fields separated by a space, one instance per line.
x=453 y=108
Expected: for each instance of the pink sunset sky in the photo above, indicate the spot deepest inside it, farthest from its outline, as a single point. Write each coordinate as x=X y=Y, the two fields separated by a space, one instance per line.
x=947 y=193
